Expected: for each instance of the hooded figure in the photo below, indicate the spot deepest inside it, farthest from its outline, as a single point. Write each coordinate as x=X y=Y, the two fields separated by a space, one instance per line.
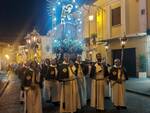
x=97 y=85
x=118 y=77
x=33 y=101
x=69 y=99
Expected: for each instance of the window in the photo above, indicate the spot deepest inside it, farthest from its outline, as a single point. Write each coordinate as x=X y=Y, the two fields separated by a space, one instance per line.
x=116 y=16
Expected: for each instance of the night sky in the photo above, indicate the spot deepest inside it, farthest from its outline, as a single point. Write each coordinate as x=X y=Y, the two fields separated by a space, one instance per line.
x=18 y=17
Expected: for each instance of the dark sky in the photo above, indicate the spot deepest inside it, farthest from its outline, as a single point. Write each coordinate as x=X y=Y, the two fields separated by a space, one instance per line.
x=18 y=17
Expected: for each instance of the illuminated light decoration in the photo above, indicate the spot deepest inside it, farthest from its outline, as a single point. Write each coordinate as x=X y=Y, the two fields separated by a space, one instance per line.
x=73 y=1
x=59 y=3
x=66 y=11
x=69 y=18
x=55 y=28
x=54 y=9
x=55 y=19
x=79 y=19
x=71 y=26
x=69 y=31
x=76 y=6
x=79 y=30
x=55 y=40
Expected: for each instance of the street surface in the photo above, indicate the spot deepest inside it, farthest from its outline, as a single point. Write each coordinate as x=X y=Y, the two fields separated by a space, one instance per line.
x=9 y=102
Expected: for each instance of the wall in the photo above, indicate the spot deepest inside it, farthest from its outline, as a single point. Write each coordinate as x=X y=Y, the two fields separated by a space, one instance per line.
x=140 y=44
x=148 y=7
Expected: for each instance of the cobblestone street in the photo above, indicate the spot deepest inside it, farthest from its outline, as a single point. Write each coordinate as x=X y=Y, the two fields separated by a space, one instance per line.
x=9 y=102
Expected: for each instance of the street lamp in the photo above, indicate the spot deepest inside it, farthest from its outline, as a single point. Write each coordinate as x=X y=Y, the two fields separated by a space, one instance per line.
x=106 y=46
x=7 y=57
x=91 y=18
x=123 y=42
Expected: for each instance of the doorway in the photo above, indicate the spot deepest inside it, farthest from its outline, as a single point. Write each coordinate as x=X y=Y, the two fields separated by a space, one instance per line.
x=129 y=60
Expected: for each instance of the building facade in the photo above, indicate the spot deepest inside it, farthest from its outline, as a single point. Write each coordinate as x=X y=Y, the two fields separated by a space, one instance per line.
x=115 y=19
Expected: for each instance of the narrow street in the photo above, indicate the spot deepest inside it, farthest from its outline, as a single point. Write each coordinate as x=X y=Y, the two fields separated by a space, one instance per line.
x=9 y=102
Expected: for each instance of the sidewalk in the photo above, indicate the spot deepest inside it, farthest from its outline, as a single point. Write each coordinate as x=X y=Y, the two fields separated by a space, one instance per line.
x=139 y=86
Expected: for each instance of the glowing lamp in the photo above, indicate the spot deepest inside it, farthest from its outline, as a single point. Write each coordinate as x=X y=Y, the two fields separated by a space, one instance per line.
x=7 y=57
x=123 y=41
x=91 y=18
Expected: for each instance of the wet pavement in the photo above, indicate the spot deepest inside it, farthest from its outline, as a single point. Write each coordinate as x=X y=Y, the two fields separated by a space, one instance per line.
x=9 y=102
x=139 y=85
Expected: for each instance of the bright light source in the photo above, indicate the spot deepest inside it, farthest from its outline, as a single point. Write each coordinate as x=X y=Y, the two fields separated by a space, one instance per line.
x=55 y=28
x=58 y=3
x=79 y=30
x=54 y=19
x=35 y=55
x=69 y=31
x=80 y=22
x=28 y=41
x=7 y=57
x=123 y=43
x=91 y=18
x=26 y=50
x=106 y=47
x=76 y=6
x=54 y=9
x=55 y=40
x=90 y=52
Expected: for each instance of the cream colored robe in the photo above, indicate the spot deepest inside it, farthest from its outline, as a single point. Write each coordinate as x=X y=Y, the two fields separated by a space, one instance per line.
x=118 y=92
x=97 y=89
x=33 y=98
x=70 y=94
x=82 y=87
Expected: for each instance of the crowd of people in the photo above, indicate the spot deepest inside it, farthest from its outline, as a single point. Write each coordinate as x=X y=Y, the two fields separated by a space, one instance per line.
x=71 y=84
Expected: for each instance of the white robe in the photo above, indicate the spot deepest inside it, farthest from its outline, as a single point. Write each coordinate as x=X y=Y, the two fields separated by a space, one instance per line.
x=70 y=95
x=118 y=92
x=97 y=89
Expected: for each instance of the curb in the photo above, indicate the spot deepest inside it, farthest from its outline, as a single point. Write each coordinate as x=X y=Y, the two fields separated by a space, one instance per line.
x=139 y=93
x=3 y=89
